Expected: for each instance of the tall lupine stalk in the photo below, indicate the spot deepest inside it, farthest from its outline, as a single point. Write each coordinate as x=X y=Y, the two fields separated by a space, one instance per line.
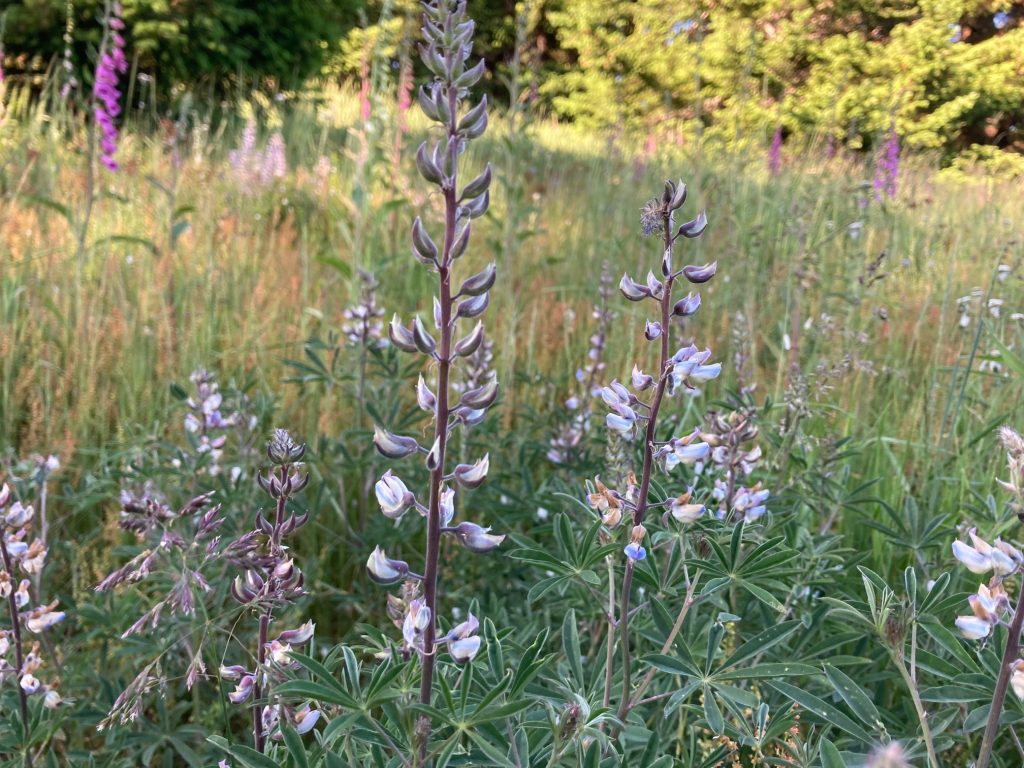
x=271 y=581
x=28 y=559
x=676 y=371
x=991 y=605
x=448 y=33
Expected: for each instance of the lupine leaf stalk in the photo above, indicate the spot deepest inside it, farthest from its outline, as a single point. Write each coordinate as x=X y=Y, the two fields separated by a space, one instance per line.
x=448 y=34
x=679 y=370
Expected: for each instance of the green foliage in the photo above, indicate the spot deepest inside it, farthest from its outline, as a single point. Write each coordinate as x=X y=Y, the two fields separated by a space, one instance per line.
x=207 y=46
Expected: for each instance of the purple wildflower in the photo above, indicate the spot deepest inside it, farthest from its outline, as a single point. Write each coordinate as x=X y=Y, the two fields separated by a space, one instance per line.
x=106 y=93
x=1001 y=20
x=775 y=152
x=887 y=166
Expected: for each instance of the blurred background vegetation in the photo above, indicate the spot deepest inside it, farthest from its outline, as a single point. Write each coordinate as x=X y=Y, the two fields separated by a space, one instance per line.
x=945 y=73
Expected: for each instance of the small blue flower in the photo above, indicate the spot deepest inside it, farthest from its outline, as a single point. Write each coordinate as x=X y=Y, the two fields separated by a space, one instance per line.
x=634 y=551
x=1000 y=20
x=958 y=33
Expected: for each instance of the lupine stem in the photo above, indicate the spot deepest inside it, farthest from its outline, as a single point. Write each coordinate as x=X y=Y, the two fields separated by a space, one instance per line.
x=12 y=604
x=922 y=715
x=664 y=371
x=258 y=736
x=257 y=690
x=440 y=423
x=1010 y=654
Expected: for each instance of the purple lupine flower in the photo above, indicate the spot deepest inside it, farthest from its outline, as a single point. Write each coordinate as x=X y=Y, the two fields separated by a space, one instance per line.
x=775 y=152
x=106 y=93
x=887 y=166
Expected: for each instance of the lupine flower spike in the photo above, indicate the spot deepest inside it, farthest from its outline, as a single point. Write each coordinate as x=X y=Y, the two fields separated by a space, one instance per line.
x=19 y=560
x=634 y=407
x=991 y=604
x=270 y=581
x=455 y=334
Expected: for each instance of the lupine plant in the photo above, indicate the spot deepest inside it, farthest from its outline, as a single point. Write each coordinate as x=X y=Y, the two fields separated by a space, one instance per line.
x=271 y=581
x=991 y=605
x=24 y=556
x=448 y=33
x=677 y=372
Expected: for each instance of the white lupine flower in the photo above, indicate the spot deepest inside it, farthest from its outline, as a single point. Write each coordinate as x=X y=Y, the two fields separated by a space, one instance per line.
x=972 y=559
x=393 y=496
x=972 y=627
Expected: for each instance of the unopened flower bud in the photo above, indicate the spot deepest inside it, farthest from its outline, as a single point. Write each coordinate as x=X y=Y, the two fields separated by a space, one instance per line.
x=393 y=446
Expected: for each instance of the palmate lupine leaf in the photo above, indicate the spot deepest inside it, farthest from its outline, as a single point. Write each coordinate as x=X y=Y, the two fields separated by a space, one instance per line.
x=823 y=711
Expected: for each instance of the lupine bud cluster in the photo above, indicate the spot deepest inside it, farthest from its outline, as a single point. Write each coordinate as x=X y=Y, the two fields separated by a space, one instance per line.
x=730 y=461
x=208 y=422
x=271 y=581
x=106 y=91
x=580 y=406
x=448 y=339
x=363 y=326
x=24 y=556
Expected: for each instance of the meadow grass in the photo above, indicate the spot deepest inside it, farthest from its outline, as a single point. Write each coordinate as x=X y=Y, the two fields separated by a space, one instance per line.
x=238 y=277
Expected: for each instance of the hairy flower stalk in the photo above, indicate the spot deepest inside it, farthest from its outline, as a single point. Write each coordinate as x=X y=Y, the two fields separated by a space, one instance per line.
x=448 y=33
x=676 y=371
